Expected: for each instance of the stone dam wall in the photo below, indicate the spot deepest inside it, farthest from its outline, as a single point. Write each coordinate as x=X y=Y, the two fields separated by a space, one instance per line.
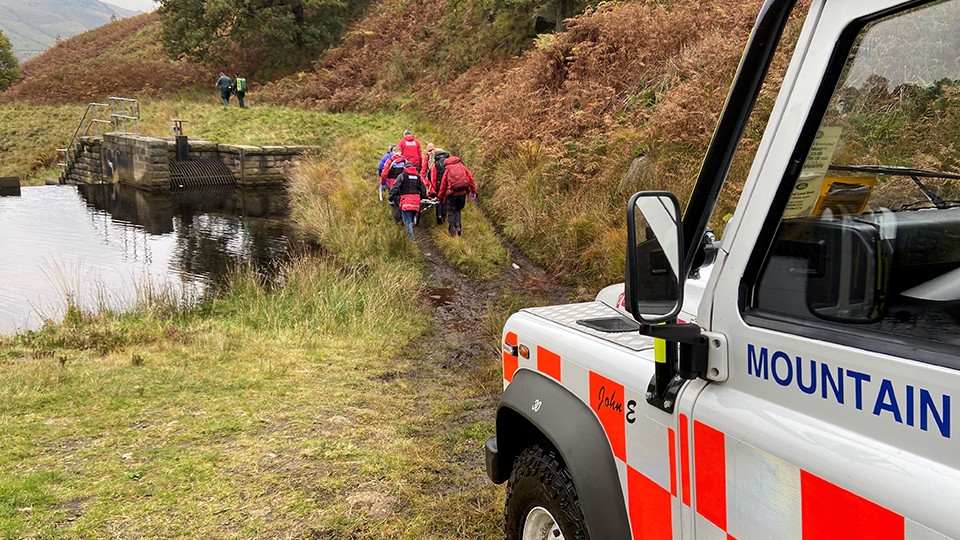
x=144 y=162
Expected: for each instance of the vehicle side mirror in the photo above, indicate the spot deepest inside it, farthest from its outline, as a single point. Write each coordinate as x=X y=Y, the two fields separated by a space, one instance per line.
x=653 y=287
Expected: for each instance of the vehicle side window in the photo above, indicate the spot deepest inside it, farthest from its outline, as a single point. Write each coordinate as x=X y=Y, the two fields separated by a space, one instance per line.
x=869 y=242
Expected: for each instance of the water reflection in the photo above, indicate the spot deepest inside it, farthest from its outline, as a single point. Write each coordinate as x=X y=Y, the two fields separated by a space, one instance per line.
x=101 y=243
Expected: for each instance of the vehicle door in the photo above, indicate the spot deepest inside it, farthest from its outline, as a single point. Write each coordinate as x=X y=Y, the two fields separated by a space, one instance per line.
x=837 y=295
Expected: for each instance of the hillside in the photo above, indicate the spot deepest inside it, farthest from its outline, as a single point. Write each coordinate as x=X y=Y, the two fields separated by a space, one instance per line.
x=349 y=395
x=120 y=58
x=550 y=123
x=556 y=128
x=35 y=26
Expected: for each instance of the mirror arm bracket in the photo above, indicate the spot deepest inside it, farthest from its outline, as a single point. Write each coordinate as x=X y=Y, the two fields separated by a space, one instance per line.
x=685 y=359
x=677 y=332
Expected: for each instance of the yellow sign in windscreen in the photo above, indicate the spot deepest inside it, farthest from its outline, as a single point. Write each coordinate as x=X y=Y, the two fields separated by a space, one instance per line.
x=807 y=189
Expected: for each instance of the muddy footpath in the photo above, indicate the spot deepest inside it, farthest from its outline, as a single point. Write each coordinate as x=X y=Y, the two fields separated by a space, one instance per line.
x=462 y=305
x=459 y=358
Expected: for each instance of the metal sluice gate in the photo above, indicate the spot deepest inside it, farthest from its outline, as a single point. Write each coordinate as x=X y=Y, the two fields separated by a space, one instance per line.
x=198 y=173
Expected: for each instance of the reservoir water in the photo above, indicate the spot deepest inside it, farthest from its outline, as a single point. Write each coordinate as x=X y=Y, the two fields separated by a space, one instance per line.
x=102 y=245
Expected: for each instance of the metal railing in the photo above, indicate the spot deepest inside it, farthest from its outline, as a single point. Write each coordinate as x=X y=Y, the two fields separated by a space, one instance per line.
x=91 y=117
x=122 y=110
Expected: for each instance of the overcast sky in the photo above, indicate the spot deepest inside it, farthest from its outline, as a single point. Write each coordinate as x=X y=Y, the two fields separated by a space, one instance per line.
x=135 y=5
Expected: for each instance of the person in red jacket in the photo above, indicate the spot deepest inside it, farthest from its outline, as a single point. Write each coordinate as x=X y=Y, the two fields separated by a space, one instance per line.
x=455 y=184
x=410 y=148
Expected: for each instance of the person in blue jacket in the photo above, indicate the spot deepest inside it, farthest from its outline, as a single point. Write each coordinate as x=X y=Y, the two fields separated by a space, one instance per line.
x=225 y=85
x=383 y=160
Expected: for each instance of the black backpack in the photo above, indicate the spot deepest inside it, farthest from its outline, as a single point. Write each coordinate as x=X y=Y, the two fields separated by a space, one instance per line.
x=396 y=168
x=438 y=159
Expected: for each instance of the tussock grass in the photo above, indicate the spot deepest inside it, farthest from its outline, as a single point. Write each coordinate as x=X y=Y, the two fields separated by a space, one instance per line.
x=478 y=251
x=348 y=218
x=573 y=228
x=316 y=296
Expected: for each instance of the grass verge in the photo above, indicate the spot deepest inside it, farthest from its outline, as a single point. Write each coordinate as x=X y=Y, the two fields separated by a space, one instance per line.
x=478 y=251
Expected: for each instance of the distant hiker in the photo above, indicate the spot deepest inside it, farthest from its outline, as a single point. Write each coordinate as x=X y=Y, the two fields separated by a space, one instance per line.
x=224 y=84
x=410 y=148
x=388 y=176
x=239 y=88
x=432 y=172
x=408 y=190
x=455 y=184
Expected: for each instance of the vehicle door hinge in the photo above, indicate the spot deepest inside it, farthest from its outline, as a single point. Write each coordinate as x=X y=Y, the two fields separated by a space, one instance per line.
x=718 y=358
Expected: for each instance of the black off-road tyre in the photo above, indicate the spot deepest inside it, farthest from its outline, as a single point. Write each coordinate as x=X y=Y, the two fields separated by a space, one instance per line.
x=541 y=491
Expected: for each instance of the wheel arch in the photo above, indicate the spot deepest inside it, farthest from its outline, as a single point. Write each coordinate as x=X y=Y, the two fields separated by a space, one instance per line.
x=570 y=426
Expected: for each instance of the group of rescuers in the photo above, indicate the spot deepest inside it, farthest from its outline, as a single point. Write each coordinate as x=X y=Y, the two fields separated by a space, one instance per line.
x=413 y=178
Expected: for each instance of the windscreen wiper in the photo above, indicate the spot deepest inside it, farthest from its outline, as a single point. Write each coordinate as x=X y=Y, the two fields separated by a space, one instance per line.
x=910 y=172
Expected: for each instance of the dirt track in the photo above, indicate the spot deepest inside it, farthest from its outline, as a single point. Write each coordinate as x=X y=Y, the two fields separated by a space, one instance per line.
x=461 y=304
x=459 y=358
x=454 y=371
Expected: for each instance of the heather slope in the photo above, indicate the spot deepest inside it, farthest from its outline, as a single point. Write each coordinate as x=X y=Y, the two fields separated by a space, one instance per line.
x=122 y=58
x=37 y=25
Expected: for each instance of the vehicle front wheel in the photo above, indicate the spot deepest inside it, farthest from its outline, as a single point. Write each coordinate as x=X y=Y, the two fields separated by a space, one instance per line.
x=542 y=502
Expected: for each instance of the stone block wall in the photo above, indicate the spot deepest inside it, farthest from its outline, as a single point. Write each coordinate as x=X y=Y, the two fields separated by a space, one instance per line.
x=136 y=160
x=145 y=161
x=199 y=149
x=259 y=166
x=87 y=167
